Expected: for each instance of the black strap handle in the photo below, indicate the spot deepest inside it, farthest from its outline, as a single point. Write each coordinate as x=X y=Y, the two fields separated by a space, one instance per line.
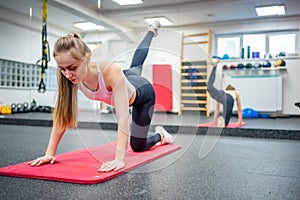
x=44 y=60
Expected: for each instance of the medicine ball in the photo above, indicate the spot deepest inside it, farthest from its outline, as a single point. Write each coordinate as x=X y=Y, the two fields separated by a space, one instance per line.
x=279 y=62
x=249 y=66
x=257 y=65
x=266 y=64
x=225 y=56
x=225 y=67
x=240 y=66
x=249 y=113
x=282 y=53
x=232 y=66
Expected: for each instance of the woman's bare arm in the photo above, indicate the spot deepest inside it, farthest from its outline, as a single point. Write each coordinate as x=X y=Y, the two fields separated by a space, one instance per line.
x=239 y=107
x=116 y=81
x=217 y=113
x=49 y=157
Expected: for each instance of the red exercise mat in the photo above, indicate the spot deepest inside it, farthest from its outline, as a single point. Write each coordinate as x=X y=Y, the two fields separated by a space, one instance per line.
x=230 y=125
x=81 y=166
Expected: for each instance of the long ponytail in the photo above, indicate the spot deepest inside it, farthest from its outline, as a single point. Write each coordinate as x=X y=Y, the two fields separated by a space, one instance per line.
x=65 y=112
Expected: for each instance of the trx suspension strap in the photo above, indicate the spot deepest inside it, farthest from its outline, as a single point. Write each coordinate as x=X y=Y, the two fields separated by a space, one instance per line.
x=43 y=62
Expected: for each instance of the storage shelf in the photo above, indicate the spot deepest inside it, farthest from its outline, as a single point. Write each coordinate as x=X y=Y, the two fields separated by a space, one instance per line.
x=258 y=69
x=257 y=59
x=256 y=72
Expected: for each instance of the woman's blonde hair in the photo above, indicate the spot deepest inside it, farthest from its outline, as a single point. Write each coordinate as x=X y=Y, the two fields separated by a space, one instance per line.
x=65 y=112
x=229 y=87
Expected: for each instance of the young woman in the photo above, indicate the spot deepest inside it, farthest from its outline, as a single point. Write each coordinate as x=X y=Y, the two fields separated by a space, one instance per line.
x=226 y=98
x=105 y=82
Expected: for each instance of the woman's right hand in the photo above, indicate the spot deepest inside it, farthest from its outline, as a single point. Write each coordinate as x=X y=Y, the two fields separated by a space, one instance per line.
x=43 y=160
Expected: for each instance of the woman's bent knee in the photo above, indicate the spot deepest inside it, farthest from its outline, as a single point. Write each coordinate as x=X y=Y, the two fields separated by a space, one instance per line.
x=137 y=144
x=137 y=148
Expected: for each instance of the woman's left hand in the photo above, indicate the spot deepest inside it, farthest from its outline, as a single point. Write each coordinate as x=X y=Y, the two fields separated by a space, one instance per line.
x=240 y=122
x=113 y=165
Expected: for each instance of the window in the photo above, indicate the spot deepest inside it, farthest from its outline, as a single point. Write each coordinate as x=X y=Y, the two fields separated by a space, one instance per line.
x=262 y=42
x=229 y=46
x=256 y=43
x=23 y=75
x=282 y=43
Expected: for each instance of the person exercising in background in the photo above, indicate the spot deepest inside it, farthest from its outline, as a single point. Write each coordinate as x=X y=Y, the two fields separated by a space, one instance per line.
x=225 y=97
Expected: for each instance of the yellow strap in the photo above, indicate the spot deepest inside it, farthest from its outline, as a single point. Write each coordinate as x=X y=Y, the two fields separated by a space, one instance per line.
x=45 y=10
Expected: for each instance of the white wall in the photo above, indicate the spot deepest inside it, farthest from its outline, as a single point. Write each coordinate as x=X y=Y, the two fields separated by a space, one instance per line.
x=9 y=96
x=23 y=45
x=260 y=89
x=291 y=91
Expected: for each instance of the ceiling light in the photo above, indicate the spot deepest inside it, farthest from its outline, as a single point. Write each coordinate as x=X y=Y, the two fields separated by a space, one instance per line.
x=30 y=12
x=88 y=26
x=163 y=20
x=128 y=2
x=270 y=10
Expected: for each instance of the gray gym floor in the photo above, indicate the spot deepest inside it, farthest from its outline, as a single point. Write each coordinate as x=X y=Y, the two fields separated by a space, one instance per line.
x=208 y=166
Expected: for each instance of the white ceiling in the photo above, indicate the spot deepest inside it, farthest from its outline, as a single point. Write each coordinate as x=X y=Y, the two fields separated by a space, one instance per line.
x=63 y=13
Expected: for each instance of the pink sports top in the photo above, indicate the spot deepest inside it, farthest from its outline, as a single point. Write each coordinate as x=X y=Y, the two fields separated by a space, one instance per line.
x=102 y=94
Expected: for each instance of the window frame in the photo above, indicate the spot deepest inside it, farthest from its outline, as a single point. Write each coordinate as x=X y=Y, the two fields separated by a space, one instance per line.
x=267 y=36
